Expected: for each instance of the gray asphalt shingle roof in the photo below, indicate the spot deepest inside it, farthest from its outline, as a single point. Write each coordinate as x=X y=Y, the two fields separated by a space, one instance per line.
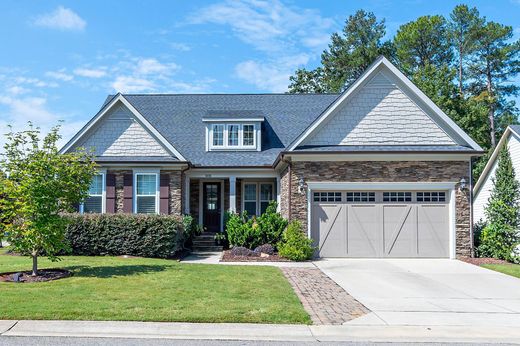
x=179 y=119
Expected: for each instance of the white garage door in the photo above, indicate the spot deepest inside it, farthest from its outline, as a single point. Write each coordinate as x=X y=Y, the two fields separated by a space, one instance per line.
x=380 y=223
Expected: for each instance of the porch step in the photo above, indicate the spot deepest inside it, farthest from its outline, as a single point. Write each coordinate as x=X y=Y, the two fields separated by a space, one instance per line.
x=205 y=242
x=212 y=248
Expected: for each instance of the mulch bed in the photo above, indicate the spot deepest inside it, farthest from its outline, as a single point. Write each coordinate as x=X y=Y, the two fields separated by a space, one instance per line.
x=227 y=256
x=43 y=275
x=483 y=260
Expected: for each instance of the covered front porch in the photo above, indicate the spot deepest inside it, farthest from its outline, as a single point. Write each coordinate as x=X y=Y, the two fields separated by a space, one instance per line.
x=208 y=194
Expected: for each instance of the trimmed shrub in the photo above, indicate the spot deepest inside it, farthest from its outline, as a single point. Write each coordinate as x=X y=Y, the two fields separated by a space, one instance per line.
x=125 y=234
x=266 y=248
x=253 y=232
x=499 y=241
x=295 y=245
x=242 y=251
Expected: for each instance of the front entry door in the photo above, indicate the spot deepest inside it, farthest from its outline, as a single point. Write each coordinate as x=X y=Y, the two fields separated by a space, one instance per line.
x=211 y=206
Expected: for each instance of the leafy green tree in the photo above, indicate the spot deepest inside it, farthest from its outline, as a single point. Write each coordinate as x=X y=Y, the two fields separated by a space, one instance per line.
x=495 y=62
x=500 y=237
x=464 y=26
x=347 y=56
x=39 y=185
x=423 y=42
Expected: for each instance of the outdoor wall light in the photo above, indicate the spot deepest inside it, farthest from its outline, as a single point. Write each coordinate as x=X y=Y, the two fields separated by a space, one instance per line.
x=301 y=185
x=462 y=184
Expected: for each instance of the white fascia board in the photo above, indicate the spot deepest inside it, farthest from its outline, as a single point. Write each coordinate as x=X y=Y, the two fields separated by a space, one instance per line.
x=139 y=117
x=332 y=185
x=382 y=61
x=238 y=173
x=491 y=161
x=152 y=129
x=318 y=157
x=232 y=120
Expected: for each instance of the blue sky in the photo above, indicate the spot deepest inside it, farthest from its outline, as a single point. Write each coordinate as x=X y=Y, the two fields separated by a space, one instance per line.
x=61 y=58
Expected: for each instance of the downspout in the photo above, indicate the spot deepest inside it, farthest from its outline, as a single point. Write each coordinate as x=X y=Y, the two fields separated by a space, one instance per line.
x=470 y=200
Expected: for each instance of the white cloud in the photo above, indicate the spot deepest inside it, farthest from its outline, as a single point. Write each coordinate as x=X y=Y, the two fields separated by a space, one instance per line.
x=60 y=75
x=272 y=76
x=90 y=72
x=151 y=66
x=131 y=84
x=19 y=111
x=180 y=46
x=63 y=19
x=269 y=26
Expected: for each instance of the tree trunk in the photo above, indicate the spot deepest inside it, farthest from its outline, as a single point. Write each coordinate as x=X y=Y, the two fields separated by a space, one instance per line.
x=491 y=113
x=35 y=265
x=460 y=71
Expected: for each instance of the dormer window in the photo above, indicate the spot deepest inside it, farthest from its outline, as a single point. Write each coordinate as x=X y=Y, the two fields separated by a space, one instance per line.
x=233 y=134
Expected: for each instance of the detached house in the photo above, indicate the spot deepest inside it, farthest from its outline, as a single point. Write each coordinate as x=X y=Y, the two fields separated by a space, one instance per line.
x=377 y=171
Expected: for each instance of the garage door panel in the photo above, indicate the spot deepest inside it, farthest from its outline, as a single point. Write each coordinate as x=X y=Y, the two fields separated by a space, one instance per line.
x=400 y=230
x=332 y=236
x=433 y=224
x=400 y=224
x=363 y=228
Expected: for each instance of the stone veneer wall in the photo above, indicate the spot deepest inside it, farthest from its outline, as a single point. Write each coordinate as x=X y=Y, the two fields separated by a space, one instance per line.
x=175 y=191
x=379 y=171
x=119 y=175
x=284 y=193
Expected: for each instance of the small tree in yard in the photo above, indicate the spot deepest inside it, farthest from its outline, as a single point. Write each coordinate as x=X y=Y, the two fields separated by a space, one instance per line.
x=500 y=237
x=38 y=185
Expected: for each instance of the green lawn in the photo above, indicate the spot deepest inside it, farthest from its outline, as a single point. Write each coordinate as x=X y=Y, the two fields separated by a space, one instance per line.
x=509 y=269
x=139 y=289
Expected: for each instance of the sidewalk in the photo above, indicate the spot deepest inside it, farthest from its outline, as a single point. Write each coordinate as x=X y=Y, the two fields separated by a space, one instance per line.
x=228 y=331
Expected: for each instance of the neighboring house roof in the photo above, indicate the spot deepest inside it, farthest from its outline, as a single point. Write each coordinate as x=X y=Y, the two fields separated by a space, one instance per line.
x=489 y=165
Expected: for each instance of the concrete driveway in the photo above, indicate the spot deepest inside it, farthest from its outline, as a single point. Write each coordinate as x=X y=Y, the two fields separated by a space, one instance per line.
x=434 y=292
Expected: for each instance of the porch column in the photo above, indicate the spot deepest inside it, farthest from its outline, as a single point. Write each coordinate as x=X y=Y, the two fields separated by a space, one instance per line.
x=278 y=195
x=232 y=194
x=186 y=195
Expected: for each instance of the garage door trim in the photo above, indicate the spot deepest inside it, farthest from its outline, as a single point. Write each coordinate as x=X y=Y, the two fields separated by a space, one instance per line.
x=369 y=186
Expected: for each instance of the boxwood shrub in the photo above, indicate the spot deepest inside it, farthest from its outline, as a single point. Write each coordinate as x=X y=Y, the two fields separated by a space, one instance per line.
x=125 y=234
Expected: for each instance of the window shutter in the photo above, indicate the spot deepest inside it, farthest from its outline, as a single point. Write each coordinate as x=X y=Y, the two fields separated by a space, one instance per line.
x=75 y=206
x=128 y=193
x=111 y=193
x=164 y=194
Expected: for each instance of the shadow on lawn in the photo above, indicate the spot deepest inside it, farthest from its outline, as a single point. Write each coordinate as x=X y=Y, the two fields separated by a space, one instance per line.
x=105 y=272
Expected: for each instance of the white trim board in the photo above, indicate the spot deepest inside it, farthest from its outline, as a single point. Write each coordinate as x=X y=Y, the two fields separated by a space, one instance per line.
x=140 y=118
x=442 y=120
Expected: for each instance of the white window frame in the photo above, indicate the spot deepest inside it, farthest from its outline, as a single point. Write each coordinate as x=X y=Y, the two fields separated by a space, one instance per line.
x=239 y=127
x=258 y=199
x=157 y=189
x=226 y=146
x=223 y=135
x=253 y=146
x=103 y=195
